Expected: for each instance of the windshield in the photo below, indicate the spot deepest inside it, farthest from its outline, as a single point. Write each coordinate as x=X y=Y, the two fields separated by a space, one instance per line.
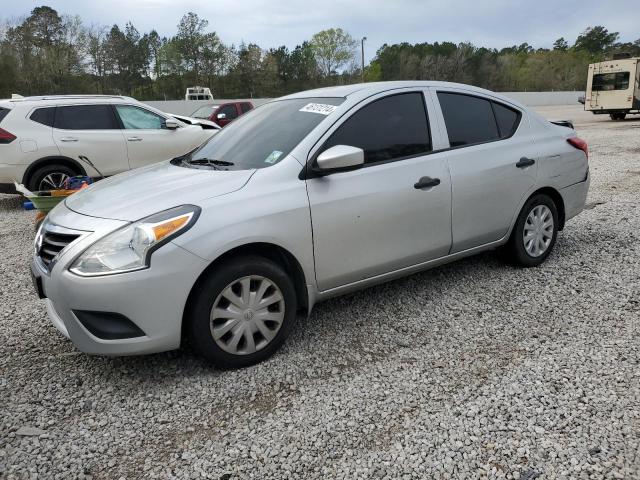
x=204 y=112
x=265 y=135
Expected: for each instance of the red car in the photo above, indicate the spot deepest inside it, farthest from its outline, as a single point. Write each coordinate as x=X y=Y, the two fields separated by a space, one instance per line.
x=222 y=113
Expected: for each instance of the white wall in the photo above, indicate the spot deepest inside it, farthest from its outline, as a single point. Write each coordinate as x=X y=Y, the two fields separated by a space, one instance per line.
x=533 y=99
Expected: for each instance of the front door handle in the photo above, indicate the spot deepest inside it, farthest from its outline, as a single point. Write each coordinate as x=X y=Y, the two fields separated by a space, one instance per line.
x=134 y=139
x=525 y=162
x=68 y=139
x=426 y=182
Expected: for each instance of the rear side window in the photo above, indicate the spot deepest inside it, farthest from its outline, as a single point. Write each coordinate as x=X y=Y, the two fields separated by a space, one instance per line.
x=3 y=113
x=45 y=116
x=85 y=117
x=468 y=119
x=391 y=128
x=245 y=107
x=508 y=119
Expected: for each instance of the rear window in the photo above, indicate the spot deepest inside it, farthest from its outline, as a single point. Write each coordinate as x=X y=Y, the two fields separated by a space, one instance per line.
x=610 y=81
x=469 y=119
x=45 y=116
x=3 y=113
x=85 y=117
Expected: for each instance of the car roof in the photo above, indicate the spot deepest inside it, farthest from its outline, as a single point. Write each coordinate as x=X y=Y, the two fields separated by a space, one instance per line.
x=61 y=99
x=373 y=88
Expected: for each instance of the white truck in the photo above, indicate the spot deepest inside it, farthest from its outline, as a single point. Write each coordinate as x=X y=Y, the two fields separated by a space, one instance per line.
x=613 y=87
x=198 y=93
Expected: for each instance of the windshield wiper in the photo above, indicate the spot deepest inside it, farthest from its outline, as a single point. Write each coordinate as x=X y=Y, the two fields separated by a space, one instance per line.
x=211 y=162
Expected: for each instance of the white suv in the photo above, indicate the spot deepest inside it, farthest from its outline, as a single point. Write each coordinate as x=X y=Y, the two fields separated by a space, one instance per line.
x=43 y=138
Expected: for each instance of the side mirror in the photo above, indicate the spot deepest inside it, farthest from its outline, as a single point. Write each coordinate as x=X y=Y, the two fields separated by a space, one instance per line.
x=170 y=124
x=221 y=116
x=340 y=157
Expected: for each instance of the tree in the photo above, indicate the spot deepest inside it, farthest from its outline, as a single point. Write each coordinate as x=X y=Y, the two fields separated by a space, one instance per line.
x=561 y=44
x=333 y=49
x=596 y=40
x=190 y=41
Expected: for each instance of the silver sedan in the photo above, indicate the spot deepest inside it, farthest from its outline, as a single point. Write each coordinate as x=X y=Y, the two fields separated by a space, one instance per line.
x=306 y=197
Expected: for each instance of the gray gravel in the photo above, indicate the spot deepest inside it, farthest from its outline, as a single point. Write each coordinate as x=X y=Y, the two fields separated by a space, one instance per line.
x=472 y=370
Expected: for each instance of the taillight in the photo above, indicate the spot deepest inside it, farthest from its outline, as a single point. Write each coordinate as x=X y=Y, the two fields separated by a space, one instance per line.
x=6 y=137
x=580 y=144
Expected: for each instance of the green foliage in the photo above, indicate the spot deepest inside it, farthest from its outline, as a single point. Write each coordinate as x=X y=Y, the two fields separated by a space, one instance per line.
x=51 y=53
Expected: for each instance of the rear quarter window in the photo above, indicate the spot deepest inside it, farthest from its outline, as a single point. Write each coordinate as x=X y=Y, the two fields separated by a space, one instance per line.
x=507 y=118
x=45 y=116
x=3 y=113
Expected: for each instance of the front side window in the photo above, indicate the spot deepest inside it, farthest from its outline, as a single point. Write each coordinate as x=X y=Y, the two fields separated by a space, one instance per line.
x=468 y=119
x=136 y=118
x=391 y=128
x=610 y=81
x=265 y=135
x=229 y=111
x=45 y=116
x=85 y=117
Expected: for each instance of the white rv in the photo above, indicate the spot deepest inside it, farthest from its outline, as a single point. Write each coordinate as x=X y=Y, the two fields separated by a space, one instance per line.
x=613 y=87
x=198 y=93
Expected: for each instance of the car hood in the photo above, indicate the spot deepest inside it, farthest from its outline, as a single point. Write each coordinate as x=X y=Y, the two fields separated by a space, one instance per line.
x=142 y=192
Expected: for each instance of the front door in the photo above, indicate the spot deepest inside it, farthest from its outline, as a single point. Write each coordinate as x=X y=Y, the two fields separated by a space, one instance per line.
x=147 y=139
x=386 y=215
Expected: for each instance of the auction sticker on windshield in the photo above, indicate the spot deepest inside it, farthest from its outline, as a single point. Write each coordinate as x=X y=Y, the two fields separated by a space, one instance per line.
x=321 y=108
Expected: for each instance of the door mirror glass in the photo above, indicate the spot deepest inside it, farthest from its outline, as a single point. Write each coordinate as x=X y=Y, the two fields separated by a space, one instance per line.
x=170 y=124
x=340 y=156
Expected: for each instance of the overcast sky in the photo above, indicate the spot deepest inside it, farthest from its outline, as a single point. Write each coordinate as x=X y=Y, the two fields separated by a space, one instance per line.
x=270 y=23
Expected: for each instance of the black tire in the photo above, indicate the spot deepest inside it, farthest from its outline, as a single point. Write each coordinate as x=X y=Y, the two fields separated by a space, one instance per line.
x=198 y=319
x=618 y=116
x=35 y=181
x=515 y=248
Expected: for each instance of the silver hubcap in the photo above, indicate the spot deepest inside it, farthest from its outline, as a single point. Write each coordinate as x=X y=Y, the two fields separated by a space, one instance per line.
x=53 y=181
x=247 y=315
x=538 y=230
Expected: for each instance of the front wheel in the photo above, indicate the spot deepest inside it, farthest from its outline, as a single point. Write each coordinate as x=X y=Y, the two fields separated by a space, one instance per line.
x=618 y=116
x=242 y=312
x=535 y=232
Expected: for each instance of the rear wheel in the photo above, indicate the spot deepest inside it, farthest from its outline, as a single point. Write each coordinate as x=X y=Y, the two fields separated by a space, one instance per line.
x=618 y=116
x=50 y=177
x=535 y=232
x=242 y=312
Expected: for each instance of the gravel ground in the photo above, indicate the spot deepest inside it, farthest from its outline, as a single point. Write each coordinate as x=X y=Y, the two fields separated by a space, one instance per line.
x=472 y=370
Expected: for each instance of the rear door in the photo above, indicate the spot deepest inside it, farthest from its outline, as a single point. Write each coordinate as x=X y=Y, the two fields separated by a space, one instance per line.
x=381 y=218
x=147 y=139
x=492 y=160
x=92 y=131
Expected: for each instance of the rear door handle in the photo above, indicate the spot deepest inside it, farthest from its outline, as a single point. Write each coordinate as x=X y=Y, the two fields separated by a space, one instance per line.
x=134 y=139
x=426 y=182
x=68 y=139
x=525 y=162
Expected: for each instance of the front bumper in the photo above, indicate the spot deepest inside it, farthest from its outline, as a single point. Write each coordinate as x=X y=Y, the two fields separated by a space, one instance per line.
x=153 y=299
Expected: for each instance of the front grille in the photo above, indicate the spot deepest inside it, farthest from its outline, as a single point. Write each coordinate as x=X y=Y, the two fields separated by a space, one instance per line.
x=52 y=244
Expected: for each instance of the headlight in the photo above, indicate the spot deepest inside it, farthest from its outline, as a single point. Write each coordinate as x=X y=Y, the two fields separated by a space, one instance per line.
x=130 y=247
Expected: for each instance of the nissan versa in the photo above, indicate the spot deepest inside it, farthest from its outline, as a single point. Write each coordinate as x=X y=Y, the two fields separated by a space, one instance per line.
x=309 y=196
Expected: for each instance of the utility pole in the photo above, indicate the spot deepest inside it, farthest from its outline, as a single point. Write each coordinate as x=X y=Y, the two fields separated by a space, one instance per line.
x=362 y=51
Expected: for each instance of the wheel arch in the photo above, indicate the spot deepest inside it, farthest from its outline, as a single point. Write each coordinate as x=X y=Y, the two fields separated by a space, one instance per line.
x=57 y=159
x=557 y=200
x=271 y=251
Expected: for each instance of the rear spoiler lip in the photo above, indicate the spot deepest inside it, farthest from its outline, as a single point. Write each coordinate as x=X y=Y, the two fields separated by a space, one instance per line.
x=563 y=123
